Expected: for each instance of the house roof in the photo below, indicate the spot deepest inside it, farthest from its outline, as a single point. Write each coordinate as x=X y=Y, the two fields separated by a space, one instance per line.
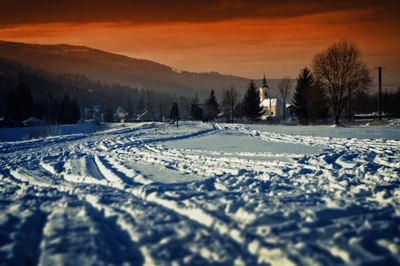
x=120 y=112
x=32 y=120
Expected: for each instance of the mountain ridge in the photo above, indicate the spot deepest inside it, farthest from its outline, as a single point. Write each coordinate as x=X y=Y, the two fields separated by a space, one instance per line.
x=111 y=67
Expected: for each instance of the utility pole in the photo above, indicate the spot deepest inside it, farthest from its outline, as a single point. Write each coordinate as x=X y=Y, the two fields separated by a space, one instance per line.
x=380 y=91
x=177 y=114
x=349 y=103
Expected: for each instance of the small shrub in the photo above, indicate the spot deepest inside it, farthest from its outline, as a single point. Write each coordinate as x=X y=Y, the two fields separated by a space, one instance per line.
x=43 y=131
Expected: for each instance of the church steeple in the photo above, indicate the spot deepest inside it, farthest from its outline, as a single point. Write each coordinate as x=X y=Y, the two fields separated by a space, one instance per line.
x=264 y=84
x=264 y=90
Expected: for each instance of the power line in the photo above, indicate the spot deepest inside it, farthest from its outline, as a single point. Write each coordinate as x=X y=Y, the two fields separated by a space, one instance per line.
x=389 y=85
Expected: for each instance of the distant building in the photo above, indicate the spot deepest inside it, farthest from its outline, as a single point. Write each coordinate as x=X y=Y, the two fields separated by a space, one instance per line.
x=120 y=115
x=94 y=114
x=290 y=111
x=33 y=121
x=88 y=114
x=273 y=107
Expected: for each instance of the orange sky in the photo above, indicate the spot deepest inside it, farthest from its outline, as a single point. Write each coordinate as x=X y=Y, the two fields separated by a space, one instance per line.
x=243 y=38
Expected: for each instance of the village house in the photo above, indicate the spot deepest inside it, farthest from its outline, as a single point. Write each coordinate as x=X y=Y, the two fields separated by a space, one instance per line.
x=120 y=115
x=91 y=115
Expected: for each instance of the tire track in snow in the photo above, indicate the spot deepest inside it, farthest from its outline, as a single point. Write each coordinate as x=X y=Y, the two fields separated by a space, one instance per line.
x=343 y=162
x=306 y=218
x=84 y=167
x=28 y=234
x=118 y=175
x=159 y=242
x=250 y=246
x=108 y=173
x=125 y=222
x=83 y=170
x=86 y=237
x=196 y=134
x=37 y=176
x=21 y=225
x=33 y=145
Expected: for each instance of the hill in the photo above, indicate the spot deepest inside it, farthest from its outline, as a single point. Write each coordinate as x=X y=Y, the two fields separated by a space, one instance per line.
x=109 y=67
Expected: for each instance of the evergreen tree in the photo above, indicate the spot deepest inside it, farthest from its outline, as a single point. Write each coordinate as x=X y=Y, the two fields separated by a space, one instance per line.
x=39 y=110
x=75 y=111
x=51 y=108
x=174 y=113
x=184 y=104
x=317 y=105
x=141 y=107
x=108 y=115
x=129 y=109
x=251 y=103
x=65 y=115
x=20 y=103
x=69 y=110
x=305 y=83
x=212 y=106
x=3 y=95
x=196 y=112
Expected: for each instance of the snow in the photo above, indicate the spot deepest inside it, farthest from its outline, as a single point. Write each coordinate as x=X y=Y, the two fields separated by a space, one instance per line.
x=203 y=194
x=273 y=102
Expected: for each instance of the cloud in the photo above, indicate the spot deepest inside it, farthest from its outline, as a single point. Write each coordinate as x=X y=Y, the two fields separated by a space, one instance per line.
x=19 y=12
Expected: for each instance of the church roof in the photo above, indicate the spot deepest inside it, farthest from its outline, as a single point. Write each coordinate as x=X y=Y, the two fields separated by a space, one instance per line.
x=274 y=102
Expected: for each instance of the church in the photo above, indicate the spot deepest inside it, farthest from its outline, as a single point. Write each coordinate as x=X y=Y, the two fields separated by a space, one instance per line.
x=272 y=106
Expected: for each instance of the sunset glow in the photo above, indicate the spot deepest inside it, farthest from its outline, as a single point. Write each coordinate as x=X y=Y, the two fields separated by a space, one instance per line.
x=200 y=132
x=239 y=39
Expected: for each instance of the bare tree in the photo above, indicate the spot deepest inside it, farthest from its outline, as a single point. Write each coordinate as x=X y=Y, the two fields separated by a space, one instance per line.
x=284 y=86
x=230 y=98
x=146 y=103
x=342 y=73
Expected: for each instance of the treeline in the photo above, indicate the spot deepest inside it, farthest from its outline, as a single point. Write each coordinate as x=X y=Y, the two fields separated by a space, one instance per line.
x=155 y=106
x=49 y=88
x=232 y=105
x=20 y=106
x=326 y=90
x=46 y=94
x=338 y=85
x=367 y=103
x=312 y=105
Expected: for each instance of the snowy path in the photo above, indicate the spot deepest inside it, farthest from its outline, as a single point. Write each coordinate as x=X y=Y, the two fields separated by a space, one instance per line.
x=201 y=194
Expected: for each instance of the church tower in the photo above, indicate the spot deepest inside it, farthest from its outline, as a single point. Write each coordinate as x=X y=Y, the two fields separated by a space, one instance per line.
x=264 y=90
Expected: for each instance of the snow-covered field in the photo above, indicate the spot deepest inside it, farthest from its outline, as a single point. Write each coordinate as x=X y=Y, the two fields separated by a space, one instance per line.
x=203 y=194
